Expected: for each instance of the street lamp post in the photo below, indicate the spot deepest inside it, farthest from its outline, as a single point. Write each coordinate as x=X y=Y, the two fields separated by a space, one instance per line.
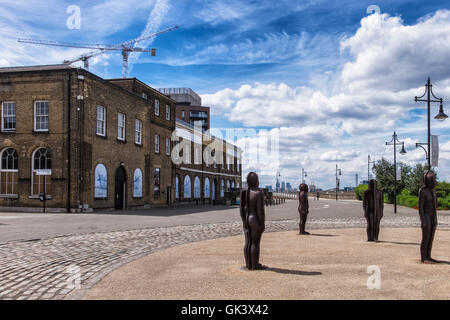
x=338 y=173
x=369 y=161
x=421 y=145
x=440 y=116
x=394 y=142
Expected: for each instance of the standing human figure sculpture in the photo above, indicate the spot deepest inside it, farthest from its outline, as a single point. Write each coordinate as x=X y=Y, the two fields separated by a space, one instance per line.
x=428 y=216
x=253 y=219
x=373 y=205
x=303 y=207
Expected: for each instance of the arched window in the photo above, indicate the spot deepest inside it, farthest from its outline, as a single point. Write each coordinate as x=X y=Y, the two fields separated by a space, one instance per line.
x=101 y=182
x=187 y=187
x=232 y=185
x=228 y=185
x=8 y=172
x=213 y=190
x=41 y=183
x=197 y=187
x=177 y=187
x=222 y=188
x=238 y=185
x=207 y=188
x=137 y=189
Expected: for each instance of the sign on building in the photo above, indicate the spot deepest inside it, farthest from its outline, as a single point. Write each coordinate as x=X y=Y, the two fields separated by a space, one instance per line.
x=43 y=172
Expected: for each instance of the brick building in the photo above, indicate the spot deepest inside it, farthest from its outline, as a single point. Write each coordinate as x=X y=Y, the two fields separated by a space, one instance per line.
x=206 y=166
x=83 y=141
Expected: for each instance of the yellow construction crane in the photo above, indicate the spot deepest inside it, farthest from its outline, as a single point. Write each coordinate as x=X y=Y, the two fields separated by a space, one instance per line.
x=126 y=47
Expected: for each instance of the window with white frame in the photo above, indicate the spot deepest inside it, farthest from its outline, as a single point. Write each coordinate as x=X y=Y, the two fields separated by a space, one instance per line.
x=8 y=116
x=138 y=138
x=156 y=107
x=8 y=172
x=156 y=143
x=167 y=146
x=41 y=116
x=120 y=126
x=101 y=121
x=144 y=95
x=41 y=160
x=167 y=112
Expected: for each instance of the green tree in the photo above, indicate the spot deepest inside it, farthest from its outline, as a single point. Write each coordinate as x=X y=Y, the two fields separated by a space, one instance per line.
x=414 y=180
x=359 y=191
x=385 y=178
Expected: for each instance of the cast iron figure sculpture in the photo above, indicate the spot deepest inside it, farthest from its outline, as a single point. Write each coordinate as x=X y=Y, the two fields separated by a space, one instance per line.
x=428 y=217
x=303 y=207
x=373 y=204
x=253 y=219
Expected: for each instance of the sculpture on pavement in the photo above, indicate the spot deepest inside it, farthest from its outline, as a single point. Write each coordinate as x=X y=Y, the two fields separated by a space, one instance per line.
x=373 y=205
x=253 y=219
x=303 y=207
x=427 y=213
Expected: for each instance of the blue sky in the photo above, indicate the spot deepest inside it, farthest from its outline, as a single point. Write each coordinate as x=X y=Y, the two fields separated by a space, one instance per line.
x=333 y=80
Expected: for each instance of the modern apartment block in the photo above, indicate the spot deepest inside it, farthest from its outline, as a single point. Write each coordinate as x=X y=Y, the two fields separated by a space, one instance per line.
x=189 y=106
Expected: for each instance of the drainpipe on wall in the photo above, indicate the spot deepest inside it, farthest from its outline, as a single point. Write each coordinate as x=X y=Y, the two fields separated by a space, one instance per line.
x=69 y=94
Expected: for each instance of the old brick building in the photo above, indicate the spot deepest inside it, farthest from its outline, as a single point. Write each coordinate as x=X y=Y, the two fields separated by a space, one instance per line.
x=83 y=141
x=205 y=166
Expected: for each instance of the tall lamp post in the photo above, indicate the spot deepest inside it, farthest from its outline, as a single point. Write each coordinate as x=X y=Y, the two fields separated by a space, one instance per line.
x=440 y=116
x=394 y=143
x=338 y=173
x=369 y=161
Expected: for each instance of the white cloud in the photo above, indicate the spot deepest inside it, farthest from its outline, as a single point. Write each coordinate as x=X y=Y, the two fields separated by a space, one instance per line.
x=397 y=54
x=154 y=22
x=337 y=155
x=445 y=146
x=248 y=51
x=386 y=66
x=215 y=12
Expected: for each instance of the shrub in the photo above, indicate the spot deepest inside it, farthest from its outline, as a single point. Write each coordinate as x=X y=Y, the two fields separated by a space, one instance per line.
x=407 y=200
x=444 y=203
x=359 y=191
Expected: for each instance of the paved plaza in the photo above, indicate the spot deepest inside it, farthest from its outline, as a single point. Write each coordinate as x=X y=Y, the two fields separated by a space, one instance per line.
x=329 y=264
x=61 y=256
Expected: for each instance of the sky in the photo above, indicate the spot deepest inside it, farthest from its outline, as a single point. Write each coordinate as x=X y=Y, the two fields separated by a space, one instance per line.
x=331 y=80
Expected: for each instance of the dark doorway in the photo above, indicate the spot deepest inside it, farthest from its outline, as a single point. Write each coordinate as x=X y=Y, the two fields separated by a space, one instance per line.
x=119 y=194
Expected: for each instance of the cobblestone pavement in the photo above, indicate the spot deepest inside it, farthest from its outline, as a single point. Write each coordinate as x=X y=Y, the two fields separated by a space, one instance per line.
x=64 y=267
